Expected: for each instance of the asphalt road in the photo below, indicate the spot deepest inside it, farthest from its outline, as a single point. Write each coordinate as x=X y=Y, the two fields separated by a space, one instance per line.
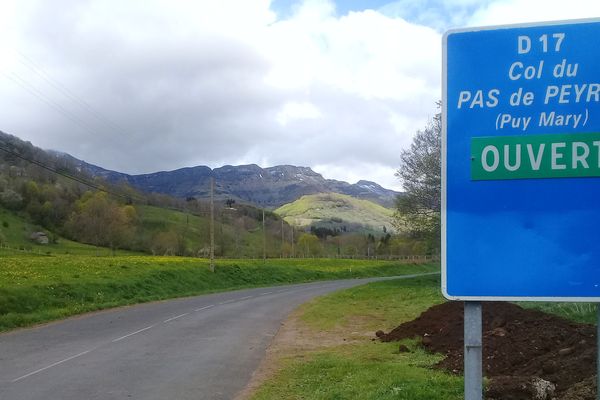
x=203 y=347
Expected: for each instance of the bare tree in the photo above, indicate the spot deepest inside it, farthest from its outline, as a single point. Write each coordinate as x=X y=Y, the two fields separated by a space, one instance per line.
x=418 y=209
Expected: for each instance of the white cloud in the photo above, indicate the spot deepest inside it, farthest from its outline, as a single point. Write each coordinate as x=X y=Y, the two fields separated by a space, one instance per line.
x=213 y=83
x=381 y=174
x=363 y=53
x=438 y=14
x=174 y=84
x=294 y=110
x=522 y=11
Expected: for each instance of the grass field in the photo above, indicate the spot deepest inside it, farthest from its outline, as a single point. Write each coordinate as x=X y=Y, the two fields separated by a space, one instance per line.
x=578 y=312
x=16 y=230
x=36 y=288
x=349 y=365
x=363 y=369
x=337 y=210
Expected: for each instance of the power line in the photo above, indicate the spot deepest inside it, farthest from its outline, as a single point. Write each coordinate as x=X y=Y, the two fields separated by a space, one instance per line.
x=72 y=177
x=41 y=96
x=92 y=185
x=76 y=116
x=56 y=84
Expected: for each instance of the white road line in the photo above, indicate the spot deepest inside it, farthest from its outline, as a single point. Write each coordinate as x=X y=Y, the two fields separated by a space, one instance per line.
x=133 y=333
x=266 y=293
x=282 y=290
x=178 y=316
x=246 y=298
x=227 y=302
x=204 y=308
x=50 y=366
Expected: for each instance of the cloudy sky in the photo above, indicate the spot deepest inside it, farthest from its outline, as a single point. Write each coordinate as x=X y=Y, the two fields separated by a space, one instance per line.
x=140 y=86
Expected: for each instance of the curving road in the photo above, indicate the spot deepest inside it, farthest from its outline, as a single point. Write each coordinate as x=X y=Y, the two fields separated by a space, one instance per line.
x=203 y=347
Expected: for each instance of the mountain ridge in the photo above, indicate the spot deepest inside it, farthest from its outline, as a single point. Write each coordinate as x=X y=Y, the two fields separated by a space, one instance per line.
x=269 y=187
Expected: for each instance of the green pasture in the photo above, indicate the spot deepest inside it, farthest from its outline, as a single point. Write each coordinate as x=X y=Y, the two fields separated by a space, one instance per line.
x=15 y=231
x=364 y=369
x=41 y=288
x=336 y=210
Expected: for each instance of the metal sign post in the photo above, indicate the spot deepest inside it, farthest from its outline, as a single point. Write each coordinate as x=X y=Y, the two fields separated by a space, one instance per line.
x=473 y=351
x=520 y=169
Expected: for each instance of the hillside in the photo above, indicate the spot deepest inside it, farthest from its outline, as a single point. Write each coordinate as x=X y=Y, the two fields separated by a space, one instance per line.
x=337 y=211
x=265 y=187
x=15 y=237
x=250 y=184
x=49 y=193
x=238 y=232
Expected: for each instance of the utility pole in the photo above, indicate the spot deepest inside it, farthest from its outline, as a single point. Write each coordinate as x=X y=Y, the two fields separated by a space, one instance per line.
x=212 y=224
x=282 y=238
x=293 y=252
x=264 y=238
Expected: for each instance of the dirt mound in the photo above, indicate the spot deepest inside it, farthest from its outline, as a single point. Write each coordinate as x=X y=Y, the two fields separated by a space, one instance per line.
x=525 y=344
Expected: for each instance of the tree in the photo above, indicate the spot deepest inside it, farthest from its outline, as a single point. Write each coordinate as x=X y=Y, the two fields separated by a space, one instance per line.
x=11 y=199
x=101 y=221
x=164 y=243
x=418 y=209
x=309 y=244
x=322 y=232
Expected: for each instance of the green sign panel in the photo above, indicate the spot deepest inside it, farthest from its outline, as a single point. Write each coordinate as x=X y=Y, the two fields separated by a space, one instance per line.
x=535 y=156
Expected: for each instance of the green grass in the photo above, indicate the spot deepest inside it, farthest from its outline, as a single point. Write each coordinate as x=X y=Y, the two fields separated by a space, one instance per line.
x=17 y=229
x=374 y=371
x=193 y=228
x=236 y=235
x=381 y=305
x=578 y=312
x=336 y=210
x=34 y=289
x=370 y=301
x=362 y=369
x=366 y=370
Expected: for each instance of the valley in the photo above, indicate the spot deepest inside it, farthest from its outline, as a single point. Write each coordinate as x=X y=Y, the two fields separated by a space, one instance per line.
x=278 y=212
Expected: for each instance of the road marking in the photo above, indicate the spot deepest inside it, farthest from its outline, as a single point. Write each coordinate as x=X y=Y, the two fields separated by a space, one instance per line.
x=263 y=294
x=133 y=333
x=246 y=298
x=282 y=290
x=204 y=308
x=178 y=316
x=227 y=302
x=50 y=366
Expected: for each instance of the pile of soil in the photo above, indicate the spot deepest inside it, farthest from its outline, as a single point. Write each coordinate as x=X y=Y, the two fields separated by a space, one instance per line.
x=522 y=349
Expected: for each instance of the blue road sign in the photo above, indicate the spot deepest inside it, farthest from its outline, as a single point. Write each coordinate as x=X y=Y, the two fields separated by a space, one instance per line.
x=521 y=162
